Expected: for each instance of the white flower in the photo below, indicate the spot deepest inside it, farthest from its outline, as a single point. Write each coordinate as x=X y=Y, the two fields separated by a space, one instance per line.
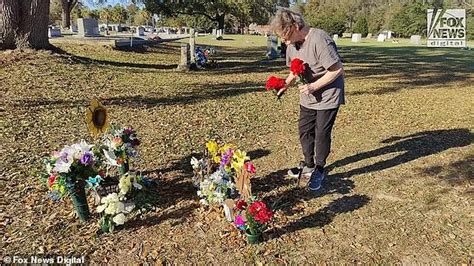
x=119 y=219
x=195 y=163
x=111 y=158
x=125 y=184
x=204 y=202
x=62 y=166
x=137 y=186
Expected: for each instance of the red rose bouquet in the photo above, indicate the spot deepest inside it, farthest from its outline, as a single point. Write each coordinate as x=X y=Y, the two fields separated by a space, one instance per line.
x=298 y=69
x=275 y=84
x=253 y=217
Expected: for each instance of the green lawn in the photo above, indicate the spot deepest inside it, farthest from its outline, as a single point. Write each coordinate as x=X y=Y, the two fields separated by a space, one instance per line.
x=400 y=188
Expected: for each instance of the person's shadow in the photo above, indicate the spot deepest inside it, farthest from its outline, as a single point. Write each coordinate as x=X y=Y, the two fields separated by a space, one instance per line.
x=412 y=147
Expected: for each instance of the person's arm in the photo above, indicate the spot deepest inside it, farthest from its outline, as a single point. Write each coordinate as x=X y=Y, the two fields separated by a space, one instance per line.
x=332 y=74
x=288 y=82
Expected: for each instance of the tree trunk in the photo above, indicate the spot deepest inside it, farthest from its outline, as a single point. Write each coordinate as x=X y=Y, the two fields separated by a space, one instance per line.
x=221 y=21
x=67 y=6
x=24 y=24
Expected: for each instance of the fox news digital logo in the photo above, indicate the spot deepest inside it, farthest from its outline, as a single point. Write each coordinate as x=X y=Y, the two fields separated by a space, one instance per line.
x=446 y=28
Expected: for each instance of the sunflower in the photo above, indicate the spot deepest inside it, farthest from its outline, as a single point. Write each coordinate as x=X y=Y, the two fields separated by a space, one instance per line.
x=97 y=118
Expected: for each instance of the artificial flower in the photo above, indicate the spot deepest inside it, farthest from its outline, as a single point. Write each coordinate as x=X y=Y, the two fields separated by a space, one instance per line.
x=275 y=83
x=297 y=66
x=249 y=167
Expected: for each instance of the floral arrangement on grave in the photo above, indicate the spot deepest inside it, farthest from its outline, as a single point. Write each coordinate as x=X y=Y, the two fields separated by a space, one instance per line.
x=253 y=217
x=130 y=196
x=223 y=170
x=298 y=68
x=275 y=84
x=67 y=171
x=120 y=144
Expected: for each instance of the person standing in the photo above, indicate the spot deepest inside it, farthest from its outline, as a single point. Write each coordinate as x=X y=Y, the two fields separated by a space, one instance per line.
x=320 y=96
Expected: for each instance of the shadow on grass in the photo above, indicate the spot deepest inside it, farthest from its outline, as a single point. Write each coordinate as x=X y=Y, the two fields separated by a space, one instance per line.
x=199 y=94
x=407 y=67
x=323 y=216
x=412 y=147
x=457 y=173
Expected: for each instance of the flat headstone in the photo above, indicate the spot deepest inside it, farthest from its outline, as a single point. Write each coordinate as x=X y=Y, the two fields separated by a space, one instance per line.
x=87 y=27
x=356 y=37
x=335 y=37
x=54 y=32
x=381 y=37
x=415 y=39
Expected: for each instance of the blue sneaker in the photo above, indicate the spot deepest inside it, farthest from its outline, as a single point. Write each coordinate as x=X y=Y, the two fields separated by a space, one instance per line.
x=316 y=179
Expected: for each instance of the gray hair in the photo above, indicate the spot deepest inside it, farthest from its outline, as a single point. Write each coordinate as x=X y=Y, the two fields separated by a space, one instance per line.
x=284 y=19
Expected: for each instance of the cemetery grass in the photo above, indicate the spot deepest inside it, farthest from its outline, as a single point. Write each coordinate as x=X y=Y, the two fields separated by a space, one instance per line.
x=399 y=188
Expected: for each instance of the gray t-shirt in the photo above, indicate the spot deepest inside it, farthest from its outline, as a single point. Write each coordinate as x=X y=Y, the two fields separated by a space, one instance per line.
x=319 y=52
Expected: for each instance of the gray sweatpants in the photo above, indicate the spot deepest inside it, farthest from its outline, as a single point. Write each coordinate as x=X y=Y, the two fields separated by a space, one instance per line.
x=315 y=128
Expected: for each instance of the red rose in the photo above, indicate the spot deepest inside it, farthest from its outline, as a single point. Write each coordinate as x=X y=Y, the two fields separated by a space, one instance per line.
x=297 y=66
x=275 y=83
x=241 y=205
x=51 y=180
x=255 y=207
x=264 y=216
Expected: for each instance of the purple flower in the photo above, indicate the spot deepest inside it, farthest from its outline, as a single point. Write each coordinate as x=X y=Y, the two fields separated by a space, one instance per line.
x=86 y=159
x=128 y=131
x=226 y=157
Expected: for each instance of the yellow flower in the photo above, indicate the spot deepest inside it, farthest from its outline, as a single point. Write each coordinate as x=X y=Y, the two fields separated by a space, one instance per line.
x=239 y=159
x=217 y=159
x=225 y=147
x=212 y=147
x=97 y=118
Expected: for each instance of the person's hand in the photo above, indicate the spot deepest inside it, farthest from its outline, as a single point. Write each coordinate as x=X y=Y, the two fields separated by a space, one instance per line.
x=306 y=89
x=282 y=90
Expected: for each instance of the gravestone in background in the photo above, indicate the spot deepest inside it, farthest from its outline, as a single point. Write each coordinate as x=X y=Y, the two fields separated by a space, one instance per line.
x=192 y=45
x=184 y=60
x=140 y=31
x=415 y=39
x=87 y=27
x=369 y=36
x=381 y=37
x=335 y=37
x=356 y=37
x=54 y=32
x=272 y=47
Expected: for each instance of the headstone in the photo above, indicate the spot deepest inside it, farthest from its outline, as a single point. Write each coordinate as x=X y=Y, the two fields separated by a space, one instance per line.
x=381 y=37
x=356 y=37
x=219 y=34
x=192 y=45
x=54 y=32
x=346 y=35
x=389 y=34
x=214 y=32
x=184 y=61
x=335 y=37
x=415 y=39
x=87 y=27
x=272 y=46
x=180 y=31
x=369 y=36
x=140 y=31
x=73 y=28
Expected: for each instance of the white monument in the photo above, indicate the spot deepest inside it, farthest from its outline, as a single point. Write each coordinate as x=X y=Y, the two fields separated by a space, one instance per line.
x=381 y=37
x=356 y=37
x=335 y=37
x=415 y=39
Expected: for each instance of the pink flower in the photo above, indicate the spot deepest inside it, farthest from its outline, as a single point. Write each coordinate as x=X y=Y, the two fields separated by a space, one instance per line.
x=239 y=221
x=250 y=167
